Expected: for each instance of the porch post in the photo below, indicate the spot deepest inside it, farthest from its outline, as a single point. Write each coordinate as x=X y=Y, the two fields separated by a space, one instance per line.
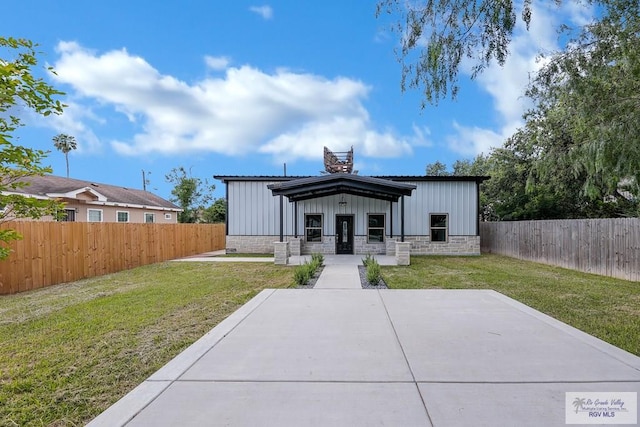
x=402 y=220
x=281 y=219
x=390 y=218
x=295 y=218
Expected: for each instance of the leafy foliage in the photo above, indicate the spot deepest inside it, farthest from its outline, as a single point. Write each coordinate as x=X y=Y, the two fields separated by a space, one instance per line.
x=215 y=213
x=578 y=154
x=65 y=143
x=19 y=89
x=374 y=275
x=191 y=194
x=437 y=35
x=436 y=169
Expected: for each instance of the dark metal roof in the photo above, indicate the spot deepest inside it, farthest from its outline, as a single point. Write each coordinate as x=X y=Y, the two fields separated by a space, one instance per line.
x=341 y=183
x=228 y=178
x=420 y=178
x=399 y=178
x=50 y=184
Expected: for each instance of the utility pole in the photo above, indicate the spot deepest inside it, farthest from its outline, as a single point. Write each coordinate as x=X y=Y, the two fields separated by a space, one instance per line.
x=144 y=180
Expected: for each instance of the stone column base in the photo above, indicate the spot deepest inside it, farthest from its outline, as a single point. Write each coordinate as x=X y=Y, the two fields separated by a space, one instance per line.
x=403 y=253
x=281 y=253
x=295 y=246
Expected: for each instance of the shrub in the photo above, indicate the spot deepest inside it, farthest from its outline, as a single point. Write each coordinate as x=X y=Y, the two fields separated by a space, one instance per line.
x=373 y=272
x=302 y=274
x=368 y=259
x=318 y=258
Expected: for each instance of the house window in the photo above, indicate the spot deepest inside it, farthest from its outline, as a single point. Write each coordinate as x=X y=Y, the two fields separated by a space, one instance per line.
x=122 y=216
x=68 y=215
x=438 y=224
x=149 y=217
x=375 y=230
x=167 y=216
x=313 y=227
x=94 y=215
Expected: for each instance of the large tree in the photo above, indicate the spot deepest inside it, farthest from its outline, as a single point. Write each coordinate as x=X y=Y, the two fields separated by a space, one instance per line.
x=20 y=89
x=65 y=143
x=587 y=110
x=191 y=194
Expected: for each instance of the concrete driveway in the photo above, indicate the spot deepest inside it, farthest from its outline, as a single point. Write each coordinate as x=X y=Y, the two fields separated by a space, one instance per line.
x=342 y=357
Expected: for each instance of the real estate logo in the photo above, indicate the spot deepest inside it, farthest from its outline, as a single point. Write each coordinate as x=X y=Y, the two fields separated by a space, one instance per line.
x=601 y=407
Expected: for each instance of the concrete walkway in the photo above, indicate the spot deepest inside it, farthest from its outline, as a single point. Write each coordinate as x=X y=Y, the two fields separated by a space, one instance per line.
x=339 y=277
x=342 y=357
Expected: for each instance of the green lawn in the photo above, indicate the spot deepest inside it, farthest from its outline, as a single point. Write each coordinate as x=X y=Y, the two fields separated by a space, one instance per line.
x=604 y=307
x=68 y=352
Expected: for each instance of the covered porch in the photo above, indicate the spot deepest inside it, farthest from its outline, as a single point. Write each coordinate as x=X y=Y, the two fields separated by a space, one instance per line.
x=342 y=214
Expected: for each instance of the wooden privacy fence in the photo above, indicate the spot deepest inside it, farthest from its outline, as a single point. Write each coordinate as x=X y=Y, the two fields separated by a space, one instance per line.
x=59 y=252
x=609 y=247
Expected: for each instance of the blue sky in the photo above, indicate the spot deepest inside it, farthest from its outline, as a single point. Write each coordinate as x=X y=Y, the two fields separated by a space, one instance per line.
x=241 y=87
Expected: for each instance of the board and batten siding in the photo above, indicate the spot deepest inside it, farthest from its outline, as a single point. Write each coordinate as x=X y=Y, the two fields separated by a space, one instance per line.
x=254 y=211
x=329 y=206
x=459 y=199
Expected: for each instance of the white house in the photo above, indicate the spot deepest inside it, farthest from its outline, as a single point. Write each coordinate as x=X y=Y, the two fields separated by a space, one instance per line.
x=345 y=213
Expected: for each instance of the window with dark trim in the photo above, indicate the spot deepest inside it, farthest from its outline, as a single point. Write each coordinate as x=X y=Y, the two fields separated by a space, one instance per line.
x=438 y=226
x=375 y=228
x=313 y=227
x=68 y=215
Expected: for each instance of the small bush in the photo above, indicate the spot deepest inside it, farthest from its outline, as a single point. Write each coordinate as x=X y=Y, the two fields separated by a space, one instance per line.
x=317 y=258
x=303 y=273
x=368 y=259
x=373 y=272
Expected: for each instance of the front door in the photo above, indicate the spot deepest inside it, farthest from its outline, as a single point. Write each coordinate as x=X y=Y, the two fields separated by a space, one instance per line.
x=344 y=234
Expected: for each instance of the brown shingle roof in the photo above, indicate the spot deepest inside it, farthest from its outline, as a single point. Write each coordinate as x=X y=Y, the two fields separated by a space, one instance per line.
x=50 y=184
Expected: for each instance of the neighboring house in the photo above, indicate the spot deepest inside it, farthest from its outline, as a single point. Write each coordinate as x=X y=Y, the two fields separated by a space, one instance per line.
x=344 y=213
x=93 y=202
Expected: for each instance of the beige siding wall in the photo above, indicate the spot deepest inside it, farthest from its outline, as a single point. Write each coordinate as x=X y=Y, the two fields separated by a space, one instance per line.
x=109 y=213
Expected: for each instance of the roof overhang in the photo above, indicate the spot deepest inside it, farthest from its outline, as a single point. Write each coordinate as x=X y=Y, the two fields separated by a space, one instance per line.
x=74 y=194
x=341 y=183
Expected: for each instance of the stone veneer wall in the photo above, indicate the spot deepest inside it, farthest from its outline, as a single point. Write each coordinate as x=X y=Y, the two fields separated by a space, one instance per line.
x=420 y=245
x=252 y=244
x=457 y=245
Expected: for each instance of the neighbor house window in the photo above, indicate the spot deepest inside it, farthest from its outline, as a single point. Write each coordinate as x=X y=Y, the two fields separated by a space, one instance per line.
x=149 y=217
x=122 y=216
x=68 y=215
x=313 y=227
x=438 y=225
x=94 y=215
x=167 y=216
x=375 y=230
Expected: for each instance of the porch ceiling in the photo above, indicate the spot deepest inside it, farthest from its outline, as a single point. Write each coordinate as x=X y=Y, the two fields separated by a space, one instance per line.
x=341 y=183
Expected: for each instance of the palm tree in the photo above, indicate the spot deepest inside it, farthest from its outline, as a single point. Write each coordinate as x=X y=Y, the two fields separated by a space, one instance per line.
x=65 y=143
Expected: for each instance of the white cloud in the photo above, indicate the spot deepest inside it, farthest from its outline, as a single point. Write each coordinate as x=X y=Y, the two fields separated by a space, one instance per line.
x=285 y=114
x=506 y=84
x=473 y=140
x=265 y=11
x=217 y=62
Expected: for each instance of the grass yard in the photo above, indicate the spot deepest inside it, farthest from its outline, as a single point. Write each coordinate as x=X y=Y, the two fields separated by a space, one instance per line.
x=604 y=307
x=68 y=352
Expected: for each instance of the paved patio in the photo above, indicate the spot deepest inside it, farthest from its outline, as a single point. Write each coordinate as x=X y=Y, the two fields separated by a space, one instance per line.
x=354 y=357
